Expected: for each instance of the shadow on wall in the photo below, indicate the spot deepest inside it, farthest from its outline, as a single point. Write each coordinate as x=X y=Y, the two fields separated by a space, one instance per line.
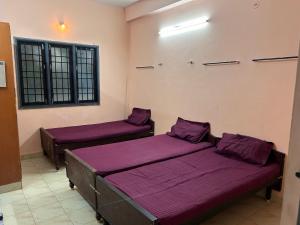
x=32 y=144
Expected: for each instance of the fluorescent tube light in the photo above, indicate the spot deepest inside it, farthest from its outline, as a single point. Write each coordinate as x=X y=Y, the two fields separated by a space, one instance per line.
x=184 y=27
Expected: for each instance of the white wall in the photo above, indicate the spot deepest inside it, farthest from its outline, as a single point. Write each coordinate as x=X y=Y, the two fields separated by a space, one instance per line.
x=88 y=22
x=250 y=98
x=292 y=184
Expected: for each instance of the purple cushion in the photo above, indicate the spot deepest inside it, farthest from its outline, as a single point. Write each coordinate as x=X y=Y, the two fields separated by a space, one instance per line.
x=248 y=149
x=139 y=116
x=191 y=131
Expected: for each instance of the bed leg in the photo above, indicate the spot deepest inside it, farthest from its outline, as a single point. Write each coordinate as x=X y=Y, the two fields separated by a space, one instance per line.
x=98 y=216
x=268 y=193
x=56 y=162
x=71 y=184
x=105 y=222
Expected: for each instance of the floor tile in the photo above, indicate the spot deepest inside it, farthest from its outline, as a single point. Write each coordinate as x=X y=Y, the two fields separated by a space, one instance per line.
x=94 y=223
x=246 y=208
x=42 y=200
x=11 y=197
x=65 y=193
x=82 y=216
x=266 y=218
x=59 y=220
x=274 y=208
x=47 y=212
x=30 y=180
x=54 y=176
x=36 y=188
x=21 y=219
x=15 y=209
x=227 y=218
x=57 y=185
x=74 y=203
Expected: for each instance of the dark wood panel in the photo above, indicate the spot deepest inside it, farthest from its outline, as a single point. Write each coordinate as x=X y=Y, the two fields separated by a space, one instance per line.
x=111 y=201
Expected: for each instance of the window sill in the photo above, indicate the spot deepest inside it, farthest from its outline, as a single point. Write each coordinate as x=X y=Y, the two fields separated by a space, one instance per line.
x=58 y=105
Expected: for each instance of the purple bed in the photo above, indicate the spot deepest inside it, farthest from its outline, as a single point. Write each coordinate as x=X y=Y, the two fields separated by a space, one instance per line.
x=112 y=158
x=83 y=165
x=56 y=140
x=92 y=132
x=179 y=190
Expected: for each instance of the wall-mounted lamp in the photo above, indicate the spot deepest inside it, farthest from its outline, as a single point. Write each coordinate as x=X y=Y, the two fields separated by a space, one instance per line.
x=62 y=26
x=184 y=27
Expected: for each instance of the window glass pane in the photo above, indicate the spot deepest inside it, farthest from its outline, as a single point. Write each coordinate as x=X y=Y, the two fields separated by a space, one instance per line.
x=32 y=75
x=86 y=74
x=61 y=78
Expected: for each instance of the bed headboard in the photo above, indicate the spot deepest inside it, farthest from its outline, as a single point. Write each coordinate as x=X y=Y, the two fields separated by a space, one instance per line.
x=278 y=157
x=152 y=124
x=212 y=139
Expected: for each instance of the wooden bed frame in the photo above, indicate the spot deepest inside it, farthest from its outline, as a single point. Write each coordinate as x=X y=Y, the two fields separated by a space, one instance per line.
x=56 y=151
x=115 y=207
x=83 y=176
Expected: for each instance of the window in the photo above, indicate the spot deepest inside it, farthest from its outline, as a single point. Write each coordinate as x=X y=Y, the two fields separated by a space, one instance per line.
x=60 y=73
x=56 y=74
x=33 y=75
x=85 y=70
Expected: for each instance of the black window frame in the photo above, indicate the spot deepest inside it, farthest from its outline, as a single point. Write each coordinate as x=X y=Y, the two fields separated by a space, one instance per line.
x=47 y=74
x=94 y=68
x=70 y=70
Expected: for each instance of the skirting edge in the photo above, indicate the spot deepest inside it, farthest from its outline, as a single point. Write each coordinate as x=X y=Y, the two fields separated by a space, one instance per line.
x=10 y=187
x=32 y=156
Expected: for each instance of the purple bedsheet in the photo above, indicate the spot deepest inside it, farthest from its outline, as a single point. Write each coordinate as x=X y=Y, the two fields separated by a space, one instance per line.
x=111 y=158
x=178 y=189
x=95 y=131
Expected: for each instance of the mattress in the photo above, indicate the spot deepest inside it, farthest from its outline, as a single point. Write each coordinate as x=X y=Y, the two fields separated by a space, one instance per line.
x=112 y=158
x=93 y=132
x=179 y=189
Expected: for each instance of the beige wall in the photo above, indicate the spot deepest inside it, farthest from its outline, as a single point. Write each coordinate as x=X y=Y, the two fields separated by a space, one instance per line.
x=250 y=98
x=88 y=22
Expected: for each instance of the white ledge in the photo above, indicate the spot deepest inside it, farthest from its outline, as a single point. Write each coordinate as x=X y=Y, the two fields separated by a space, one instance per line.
x=147 y=7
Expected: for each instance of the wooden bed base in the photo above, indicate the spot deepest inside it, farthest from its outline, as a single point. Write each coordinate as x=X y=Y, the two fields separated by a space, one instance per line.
x=116 y=208
x=56 y=151
x=81 y=175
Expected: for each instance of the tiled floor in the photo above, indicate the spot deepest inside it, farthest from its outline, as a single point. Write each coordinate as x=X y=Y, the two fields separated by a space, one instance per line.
x=46 y=199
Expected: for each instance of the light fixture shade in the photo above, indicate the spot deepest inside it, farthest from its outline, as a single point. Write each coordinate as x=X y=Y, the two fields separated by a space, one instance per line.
x=62 y=26
x=184 y=27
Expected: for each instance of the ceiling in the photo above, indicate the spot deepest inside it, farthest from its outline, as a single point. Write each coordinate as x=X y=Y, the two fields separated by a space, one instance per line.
x=122 y=3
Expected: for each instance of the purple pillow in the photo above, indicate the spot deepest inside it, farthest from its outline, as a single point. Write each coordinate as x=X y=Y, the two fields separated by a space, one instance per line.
x=249 y=149
x=191 y=131
x=139 y=116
